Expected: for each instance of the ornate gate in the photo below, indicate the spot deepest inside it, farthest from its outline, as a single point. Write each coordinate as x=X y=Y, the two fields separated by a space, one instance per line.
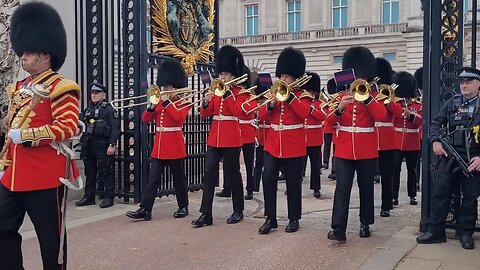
x=115 y=48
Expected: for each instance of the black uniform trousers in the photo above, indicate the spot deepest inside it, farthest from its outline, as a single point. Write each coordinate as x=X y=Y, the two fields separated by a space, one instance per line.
x=179 y=182
x=248 y=151
x=231 y=169
x=314 y=153
x=99 y=164
x=346 y=168
x=385 y=160
x=44 y=209
x=411 y=158
x=441 y=190
x=293 y=169
x=258 y=169
x=327 y=142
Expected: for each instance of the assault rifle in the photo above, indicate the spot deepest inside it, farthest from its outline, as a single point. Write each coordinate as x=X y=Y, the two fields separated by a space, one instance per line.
x=454 y=156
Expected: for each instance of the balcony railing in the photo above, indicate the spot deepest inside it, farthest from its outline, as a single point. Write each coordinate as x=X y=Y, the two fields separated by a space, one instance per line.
x=316 y=34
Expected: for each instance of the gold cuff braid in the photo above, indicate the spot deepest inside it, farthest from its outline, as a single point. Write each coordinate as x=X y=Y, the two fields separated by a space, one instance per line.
x=34 y=135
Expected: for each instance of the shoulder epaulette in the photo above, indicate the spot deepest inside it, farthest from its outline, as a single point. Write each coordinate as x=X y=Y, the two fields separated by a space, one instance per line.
x=64 y=86
x=305 y=94
x=11 y=89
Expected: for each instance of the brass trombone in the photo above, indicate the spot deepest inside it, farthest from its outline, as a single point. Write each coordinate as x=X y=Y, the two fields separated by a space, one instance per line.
x=219 y=86
x=153 y=95
x=360 y=89
x=386 y=92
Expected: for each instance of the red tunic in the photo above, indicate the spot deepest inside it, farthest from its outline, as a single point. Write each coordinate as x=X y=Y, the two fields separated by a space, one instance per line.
x=384 y=128
x=287 y=133
x=169 y=142
x=262 y=132
x=36 y=164
x=247 y=117
x=408 y=134
x=356 y=133
x=314 y=125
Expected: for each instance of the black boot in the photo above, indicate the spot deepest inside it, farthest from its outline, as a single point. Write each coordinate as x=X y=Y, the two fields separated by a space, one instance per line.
x=292 y=226
x=235 y=218
x=203 y=220
x=224 y=193
x=181 y=212
x=107 y=202
x=249 y=196
x=384 y=213
x=395 y=202
x=376 y=179
x=430 y=238
x=413 y=201
x=364 y=230
x=332 y=177
x=270 y=223
x=467 y=241
x=141 y=213
x=325 y=166
x=84 y=202
x=338 y=236
x=316 y=194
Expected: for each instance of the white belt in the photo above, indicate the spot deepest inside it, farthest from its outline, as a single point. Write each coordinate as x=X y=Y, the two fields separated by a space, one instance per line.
x=313 y=126
x=356 y=129
x=286 y=127
x=407 y=130
x=167 y=129
x=383 y=124
x=250 y=122
x=264 y=126
x=225 y=117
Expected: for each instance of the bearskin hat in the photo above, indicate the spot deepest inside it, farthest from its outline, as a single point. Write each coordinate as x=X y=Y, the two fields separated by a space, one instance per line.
x=229 y=59
x=406 y=85
x=362 y=61
x=37 y=27
x=332 y=86
x=313 y=84
x=419 y=78
x=384 y=71
x=291 y=62
x=171 y=72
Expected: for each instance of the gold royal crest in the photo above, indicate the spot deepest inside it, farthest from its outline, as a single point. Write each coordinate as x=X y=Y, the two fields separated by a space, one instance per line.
x=183 y=29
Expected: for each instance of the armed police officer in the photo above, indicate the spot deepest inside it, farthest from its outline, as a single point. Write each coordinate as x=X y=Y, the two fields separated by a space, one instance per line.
x=456 y=125
x=98 y=146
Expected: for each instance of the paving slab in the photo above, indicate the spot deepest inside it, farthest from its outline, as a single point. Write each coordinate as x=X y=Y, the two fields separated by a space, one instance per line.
x=419 y=264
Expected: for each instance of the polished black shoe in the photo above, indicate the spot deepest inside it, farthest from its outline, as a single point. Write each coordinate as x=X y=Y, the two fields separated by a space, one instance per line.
x=364 y=230
x=317 y=194
x=384 y=213
x=429 y=238
x=141 y=213
x=395 y=202
x=224 y=193
x=325 y=166
x=413 y=201
x=108 y=202
x=292 y=226
x=270 y=224
x=181 y=212
x=337 y=236
x=249 y=196
x=203 y=220
x=467 y=241
x=282 y=177
x=286 y=193
x=235 y=218
x=376 y=179
x=332 y=177
x=84 y=201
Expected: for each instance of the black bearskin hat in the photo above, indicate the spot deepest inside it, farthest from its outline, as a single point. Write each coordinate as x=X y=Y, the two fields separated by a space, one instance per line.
x=37 y=27
x=313 y=84
x=419 y=78
x=384 y=71
x=406 y=85
x=291 y=62
x=332 y=86
x=171 y=72
x=362 y=61
x=229 y=59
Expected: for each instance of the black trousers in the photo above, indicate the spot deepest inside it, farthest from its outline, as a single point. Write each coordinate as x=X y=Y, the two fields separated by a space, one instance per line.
x=314 y=153
x=248 y=150
x=327 y=142
x=411 y=158
x=293 y=169
x=385 y=160
x=231 y=169
x=442 y=188
x=365 y=169
x=43 y=208
x=179 y=181
x=99 y=164
x=258 y=170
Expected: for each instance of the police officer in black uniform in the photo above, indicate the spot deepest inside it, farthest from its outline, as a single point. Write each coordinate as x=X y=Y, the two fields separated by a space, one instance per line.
x=460 y=116
x=98 y=146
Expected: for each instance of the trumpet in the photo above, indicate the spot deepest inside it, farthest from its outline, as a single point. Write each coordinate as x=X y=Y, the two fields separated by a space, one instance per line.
x=153 y=95
x=386 y=93
x=219 y=86
x=331 y=103
x=360 y=89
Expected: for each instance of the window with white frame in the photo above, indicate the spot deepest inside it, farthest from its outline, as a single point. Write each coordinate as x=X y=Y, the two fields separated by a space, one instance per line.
x=251 y=20
x=389 y=11
x=294 y=16
x=339 y=13
x=390 y=56
x=337 y=59
x=465 y=10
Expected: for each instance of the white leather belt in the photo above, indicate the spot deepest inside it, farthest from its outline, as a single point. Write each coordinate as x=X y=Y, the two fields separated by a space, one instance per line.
x=250 y=122
x=313 y=126
x=264 y=126
x=383 y=124
x=167 y=129
x=356 y=129
x=225 y=118
x=286 y=127
x=407 y=130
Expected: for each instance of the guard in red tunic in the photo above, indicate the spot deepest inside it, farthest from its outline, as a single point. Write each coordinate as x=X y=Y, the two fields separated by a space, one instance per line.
x=329 y=135
x=356 y=147
x=224 y=138
x=36 y=160
x=314 y=133
x=407 y=135
x=169 y=146
x=285 y=145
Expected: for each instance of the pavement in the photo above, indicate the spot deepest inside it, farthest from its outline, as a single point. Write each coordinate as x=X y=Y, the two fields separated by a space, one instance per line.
x=105 y=238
